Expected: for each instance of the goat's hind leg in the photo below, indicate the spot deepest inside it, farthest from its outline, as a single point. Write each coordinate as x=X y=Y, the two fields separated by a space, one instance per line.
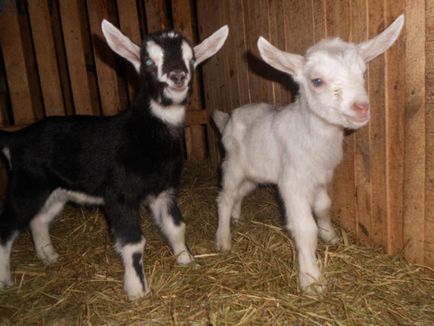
x=39 y=227
x=168 y=217
x=232 y=180
x=7 y=237
x=244 y=189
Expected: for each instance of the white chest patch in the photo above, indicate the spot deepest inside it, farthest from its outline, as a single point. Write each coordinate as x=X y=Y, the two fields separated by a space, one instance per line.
x=173 y=114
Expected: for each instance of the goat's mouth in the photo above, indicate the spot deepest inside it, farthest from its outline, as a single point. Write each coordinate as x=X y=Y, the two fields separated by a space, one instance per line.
x=357 y=120
x=178 y=88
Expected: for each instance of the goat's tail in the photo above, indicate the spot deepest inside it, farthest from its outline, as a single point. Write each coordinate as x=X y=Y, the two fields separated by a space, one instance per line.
x=220 y=119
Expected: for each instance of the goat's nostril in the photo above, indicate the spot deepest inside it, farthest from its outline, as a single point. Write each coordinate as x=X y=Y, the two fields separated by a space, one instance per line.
x=361 y=108
x=178 y=76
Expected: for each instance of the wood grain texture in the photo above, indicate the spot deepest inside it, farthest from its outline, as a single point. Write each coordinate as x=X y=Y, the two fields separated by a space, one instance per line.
x=156 y=15
x=395 y=111
x=362 y=162
x=75 y=53
x=105 y=64
x=415 y=164
x=43 y=41
x=16 y=69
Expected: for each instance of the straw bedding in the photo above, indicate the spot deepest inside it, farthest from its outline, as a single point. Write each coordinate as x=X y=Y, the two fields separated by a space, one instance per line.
x=254 y=284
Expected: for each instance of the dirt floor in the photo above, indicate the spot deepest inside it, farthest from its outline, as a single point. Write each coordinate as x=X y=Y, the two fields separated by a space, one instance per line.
x=254 y=284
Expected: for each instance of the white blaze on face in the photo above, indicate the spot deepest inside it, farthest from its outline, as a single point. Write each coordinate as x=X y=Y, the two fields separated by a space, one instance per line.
x=187 y=55
x=156 y=54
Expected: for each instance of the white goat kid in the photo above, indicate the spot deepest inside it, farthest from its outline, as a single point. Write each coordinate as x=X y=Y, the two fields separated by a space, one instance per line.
x=298 y=146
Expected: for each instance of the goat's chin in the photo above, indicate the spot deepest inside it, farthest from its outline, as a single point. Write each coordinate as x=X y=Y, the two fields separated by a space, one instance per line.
x=176 y=94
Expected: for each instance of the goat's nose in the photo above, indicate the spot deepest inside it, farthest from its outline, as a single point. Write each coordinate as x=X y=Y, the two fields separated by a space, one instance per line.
x=178 y=77
x=361 y=108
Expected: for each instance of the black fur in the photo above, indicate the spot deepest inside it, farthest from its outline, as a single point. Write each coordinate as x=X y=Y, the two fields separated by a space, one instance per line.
x=122 y=159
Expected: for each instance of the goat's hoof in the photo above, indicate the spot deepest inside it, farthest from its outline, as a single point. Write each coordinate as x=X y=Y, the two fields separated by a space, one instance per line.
x=184 y=258
x=315 y=289
x=333 y=241
x=48 y=256
x=136 y=295
x=223 y=245
x=5 y=283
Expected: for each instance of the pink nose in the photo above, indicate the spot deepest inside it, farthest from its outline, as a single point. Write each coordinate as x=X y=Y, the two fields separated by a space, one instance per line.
x=361 y=108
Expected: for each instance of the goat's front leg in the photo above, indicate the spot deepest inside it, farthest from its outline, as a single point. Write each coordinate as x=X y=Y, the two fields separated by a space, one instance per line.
x=168 y=217
x=301 y=224
x=129 y=244
x=7 y=238
x=321 y=207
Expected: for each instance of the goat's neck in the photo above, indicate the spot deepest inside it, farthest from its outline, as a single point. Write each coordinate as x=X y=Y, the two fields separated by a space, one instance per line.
x=317 y=125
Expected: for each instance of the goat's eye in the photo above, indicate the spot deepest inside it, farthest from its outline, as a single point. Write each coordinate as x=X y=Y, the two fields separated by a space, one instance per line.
x=149 y=62
x=317 y=82
x=192 y=61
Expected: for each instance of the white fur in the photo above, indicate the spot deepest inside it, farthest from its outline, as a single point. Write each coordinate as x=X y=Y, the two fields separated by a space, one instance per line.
x=298 y=146
x=5 y=252
x=132 y=284
x=39 y=225
x=175 y=234
x=7 y=154
x=173 y=114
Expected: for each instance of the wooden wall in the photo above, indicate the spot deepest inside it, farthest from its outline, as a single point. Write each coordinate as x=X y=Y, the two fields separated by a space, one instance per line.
x=384 y=188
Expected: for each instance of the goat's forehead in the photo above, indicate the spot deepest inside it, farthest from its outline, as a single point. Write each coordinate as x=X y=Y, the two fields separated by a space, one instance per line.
x=168 y=44
x=332 y=56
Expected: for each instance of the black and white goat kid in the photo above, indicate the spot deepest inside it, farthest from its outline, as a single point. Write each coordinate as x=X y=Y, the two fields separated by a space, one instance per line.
x=119 y=162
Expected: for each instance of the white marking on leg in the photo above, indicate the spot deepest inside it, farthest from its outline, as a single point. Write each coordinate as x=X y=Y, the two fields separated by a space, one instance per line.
x=175 y=234
x=245 y=188
x=7 y=154
x=40 y=224
x=132 y=283
x=5 y=254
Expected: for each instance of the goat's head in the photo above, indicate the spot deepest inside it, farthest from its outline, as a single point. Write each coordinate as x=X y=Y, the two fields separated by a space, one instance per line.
x=331 y=74
x=165 y=61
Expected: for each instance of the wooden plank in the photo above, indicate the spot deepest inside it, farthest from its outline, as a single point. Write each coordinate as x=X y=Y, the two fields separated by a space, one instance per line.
x=208 y=22
x=256 y=15
x=429 y=137
x=414 y=173
x=75 y=53
x=281 y=82
x=46 y=57
x=395 y=112
x=130 y=26
x=61 y=58
x=377 y=154
x=319 y=16
x=156 y=15
x=338 y=23
x=359 y=33
x=15 y=64
x=182 y=12
x=104 y=57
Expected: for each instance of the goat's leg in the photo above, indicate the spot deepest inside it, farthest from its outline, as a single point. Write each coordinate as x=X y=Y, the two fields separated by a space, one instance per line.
x=225 y=204
x=301 y=224
x=244 y=189
x=129 y=244
x=39 y=227
x=168 y=217
x=7 y=238
x=321 y=207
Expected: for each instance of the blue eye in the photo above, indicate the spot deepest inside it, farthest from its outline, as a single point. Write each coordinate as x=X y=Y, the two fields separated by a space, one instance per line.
x=317 y=82
x=192 y=61
x=149 y=62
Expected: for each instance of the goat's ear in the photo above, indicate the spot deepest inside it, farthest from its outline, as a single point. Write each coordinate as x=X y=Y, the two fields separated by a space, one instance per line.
x=209 y=46
x=121 y=44
x=287 y=62
x=379 y=44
